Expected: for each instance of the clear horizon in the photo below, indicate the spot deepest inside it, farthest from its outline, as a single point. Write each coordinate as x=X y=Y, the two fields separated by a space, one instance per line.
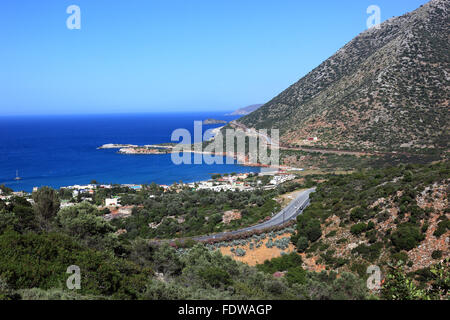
x=118 y=113
x=171 y=56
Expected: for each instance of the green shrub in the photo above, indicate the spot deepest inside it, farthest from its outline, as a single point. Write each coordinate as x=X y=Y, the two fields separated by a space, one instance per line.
x=370 y=253
x=331 y=234
x=437 y=254
x=323 y=246
x=442 y=228
x=400 y=256
x=406 y=237
x=360 y=269
x=358 y=228
x=296 y=275
x=313 y=230
x=282 y=263
x=358 y=214
x=425 y=227
x=302 y=244
x=215 y=276
x=41 y=261
x=307 y=227
x=398 y=286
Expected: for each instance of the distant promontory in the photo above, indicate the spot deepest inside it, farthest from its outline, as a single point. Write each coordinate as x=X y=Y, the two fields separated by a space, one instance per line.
x=246 y=110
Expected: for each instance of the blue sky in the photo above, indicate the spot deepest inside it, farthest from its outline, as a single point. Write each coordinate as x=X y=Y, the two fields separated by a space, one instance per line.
x=168 y=55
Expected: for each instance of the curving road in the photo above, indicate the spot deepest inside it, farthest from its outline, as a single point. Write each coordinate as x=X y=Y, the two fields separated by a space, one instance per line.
x=290 y=212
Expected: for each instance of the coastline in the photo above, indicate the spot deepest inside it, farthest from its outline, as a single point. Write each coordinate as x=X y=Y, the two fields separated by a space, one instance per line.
x=70 y=157
x=129 y=149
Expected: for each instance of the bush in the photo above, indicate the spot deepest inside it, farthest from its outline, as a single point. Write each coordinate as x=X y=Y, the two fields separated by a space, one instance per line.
x=296 y=275
x=358 y=228
x=269 y=244
x=331 y=234
x=282 y=263
x=46 y=205
x=313 y=230
x=302 y=244
x=158 y=290
x=41 y=261
x=400 y=256
x=240 y=252
x=358 y=214
x=360 y=269
x=215 y=276
x=437 y=254
x=282 y=243
x=307 y=227
x=407 y=237
x=398 y=286
x=442 y=228
x=54 y=294
x=370 y=253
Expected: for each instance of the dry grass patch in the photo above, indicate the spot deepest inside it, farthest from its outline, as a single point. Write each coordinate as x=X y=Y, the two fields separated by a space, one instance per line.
x=258 y=255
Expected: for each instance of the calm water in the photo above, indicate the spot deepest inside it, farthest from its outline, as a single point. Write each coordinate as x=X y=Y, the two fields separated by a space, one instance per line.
x=61 y=150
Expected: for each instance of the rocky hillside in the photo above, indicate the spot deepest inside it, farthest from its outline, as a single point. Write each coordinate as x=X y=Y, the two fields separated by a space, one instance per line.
x=386 y=90
x=378 y=217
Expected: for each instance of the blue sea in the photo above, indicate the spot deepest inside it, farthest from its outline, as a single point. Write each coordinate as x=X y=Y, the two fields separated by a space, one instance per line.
x=59 y=151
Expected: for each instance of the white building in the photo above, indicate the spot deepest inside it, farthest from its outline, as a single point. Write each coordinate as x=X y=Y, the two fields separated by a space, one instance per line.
x=111 y=202
x=276 y=180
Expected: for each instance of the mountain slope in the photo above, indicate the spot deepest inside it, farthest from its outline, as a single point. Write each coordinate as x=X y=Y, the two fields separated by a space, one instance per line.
x=245 y=110
x=387 y=89
x=378 y=216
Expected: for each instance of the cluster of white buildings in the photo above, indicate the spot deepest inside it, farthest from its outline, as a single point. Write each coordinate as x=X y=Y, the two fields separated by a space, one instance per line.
x=218 y=187
x=6 y=198
x=226 y=183
x=238 y=183
x=279 y=179
x=90 y=188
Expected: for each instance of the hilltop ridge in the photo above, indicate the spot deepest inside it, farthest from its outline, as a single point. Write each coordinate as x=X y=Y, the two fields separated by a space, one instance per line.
x=246 y=110
x=386 y=90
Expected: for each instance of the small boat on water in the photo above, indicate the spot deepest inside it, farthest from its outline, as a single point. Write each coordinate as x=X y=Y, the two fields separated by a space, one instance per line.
x=17 y=176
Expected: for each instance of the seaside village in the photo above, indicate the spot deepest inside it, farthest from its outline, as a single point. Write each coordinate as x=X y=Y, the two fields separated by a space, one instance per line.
x=114 y=209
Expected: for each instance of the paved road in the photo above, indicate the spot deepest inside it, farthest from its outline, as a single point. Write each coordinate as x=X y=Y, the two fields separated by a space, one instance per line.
x=290 y=212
